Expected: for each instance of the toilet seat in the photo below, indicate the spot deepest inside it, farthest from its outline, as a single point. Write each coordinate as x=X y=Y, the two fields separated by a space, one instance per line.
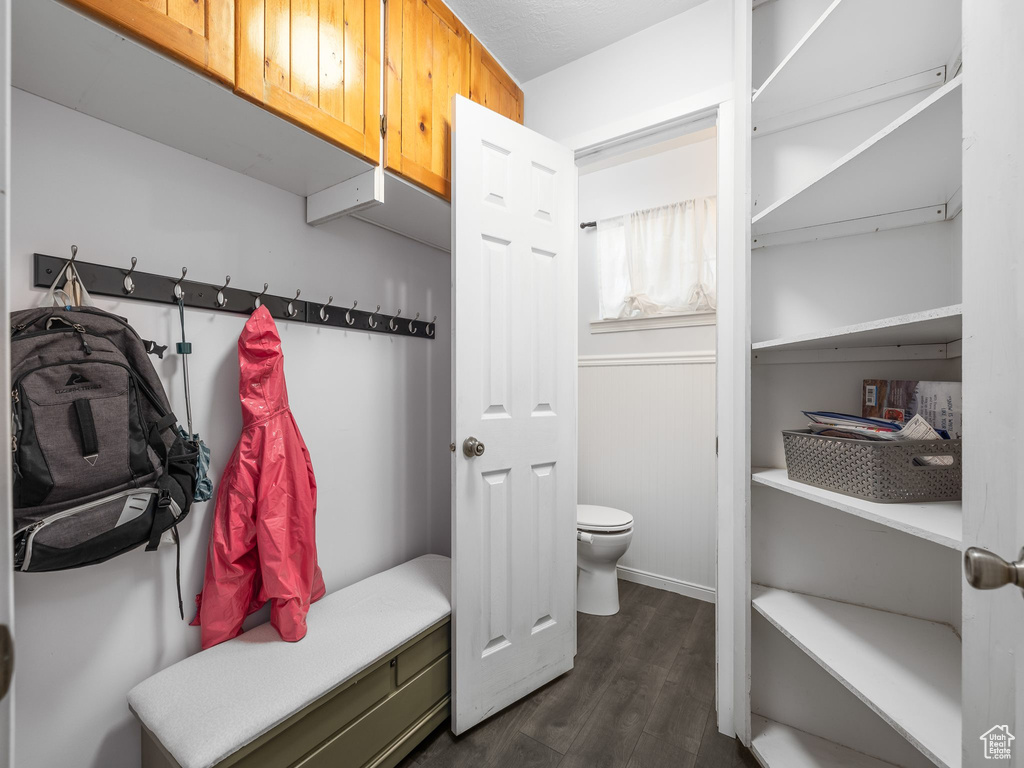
x=595 y=519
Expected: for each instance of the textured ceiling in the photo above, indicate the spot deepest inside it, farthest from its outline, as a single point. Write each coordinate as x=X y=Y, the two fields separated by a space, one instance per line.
x=531 y=37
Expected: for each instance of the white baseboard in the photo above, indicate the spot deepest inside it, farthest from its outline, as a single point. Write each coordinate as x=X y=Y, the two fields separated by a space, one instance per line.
x=684 y=588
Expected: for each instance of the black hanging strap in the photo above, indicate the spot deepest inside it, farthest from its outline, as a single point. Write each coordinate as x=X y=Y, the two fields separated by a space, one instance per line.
x=87 y=430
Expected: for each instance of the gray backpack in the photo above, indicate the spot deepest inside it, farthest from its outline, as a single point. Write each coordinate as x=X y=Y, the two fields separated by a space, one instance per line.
x=99 y=466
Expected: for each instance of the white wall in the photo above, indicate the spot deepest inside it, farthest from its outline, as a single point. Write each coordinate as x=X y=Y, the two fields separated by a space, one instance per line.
x=373 y=410
x=647 y=431
x=666 y=70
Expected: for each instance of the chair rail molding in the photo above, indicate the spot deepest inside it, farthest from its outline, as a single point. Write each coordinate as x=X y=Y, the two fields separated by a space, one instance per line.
x=706 y=356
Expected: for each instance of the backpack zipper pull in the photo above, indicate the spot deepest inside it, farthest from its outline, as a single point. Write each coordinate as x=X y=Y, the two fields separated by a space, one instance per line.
x=80 y=330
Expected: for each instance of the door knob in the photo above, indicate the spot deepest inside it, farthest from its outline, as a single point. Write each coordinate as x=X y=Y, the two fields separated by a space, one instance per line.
x=472 y=447
x=986 y=570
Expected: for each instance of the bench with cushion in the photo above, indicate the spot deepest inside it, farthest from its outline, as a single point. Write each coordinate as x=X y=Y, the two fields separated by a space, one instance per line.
x=366 y=684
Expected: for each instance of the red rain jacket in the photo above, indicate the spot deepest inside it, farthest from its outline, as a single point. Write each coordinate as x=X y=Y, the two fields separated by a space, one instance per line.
x=263 y=542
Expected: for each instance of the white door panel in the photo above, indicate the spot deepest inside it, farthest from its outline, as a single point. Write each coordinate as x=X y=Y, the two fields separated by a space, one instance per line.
x=993 y=371
x=6 y=579
x=514 y=389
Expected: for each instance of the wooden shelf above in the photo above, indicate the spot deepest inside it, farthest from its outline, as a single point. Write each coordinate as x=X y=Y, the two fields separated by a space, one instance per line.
x=939 y=326
x=69 y=58
x=918 y=155
x=905 y=670
x=779 y=746
x=859 y=44
x=940 y=522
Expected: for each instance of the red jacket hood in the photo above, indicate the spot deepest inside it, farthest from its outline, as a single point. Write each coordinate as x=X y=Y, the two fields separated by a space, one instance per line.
x=261 y=386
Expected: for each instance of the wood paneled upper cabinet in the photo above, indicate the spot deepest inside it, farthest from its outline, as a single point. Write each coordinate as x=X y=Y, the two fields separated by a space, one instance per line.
x=426 y=51
x=316 y=64
x=492 y=86
x=200 y=33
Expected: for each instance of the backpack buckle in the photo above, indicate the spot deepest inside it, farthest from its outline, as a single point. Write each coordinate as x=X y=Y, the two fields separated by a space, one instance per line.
x=164 y=499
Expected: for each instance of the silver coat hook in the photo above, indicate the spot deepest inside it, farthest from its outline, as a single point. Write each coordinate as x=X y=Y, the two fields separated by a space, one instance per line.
x=348 y=314
x=290 y=310
x=391 y=323
x=129 y=284
x=258 y=301
x=412 y=328
x=71 y=263
x=222 y=300
x=370 y=321
x=179 y=292
x=323 y=310
x=430 y=327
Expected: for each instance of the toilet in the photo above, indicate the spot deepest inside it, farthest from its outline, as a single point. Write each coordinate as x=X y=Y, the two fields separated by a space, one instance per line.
x=602 y=538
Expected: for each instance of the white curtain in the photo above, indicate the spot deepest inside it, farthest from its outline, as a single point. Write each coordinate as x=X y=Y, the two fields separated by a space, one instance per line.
x=661 y=261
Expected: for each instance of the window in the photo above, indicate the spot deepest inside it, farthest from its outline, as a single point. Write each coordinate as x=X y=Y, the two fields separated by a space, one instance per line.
x=659 y=262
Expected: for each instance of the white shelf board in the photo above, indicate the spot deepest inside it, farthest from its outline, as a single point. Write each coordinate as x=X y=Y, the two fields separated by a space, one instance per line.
x=938 y=521
x=411 y=212
x=779 y=746
x=71 y=59
x=859 y=44
x=905 y=670
x=931 y=326
x=911 y=163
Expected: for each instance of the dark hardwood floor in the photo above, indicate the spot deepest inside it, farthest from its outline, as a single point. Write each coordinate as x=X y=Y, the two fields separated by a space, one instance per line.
x=641 y=695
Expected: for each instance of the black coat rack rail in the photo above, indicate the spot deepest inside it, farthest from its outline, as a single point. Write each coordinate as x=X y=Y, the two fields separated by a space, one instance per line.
x=144 y=286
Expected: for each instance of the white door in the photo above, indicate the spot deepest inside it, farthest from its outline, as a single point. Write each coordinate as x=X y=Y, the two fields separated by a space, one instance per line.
x=514 y=393
x=6 y=587
x=993 y=374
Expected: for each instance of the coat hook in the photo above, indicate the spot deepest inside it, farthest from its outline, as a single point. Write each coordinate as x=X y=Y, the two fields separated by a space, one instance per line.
x=258 y=301
x=348 y=314
x=71 y=263
x=129 y=284
x=290 y=310
x=370 y=321
x=412 y=328
x=430 y=327
x=391 y=323
x=222 y=300
x=179 y=292
x=323 y=312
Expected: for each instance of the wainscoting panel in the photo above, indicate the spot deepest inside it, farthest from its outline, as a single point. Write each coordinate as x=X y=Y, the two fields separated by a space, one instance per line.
x=647 y=445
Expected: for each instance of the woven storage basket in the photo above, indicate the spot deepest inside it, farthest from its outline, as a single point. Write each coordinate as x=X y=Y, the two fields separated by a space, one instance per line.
x=872 y=469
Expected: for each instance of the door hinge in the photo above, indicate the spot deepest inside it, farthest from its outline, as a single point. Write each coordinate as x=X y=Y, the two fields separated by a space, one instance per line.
x=383 y=125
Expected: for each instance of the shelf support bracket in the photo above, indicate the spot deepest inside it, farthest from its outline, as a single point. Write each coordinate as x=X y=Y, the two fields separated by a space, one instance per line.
x=350 y=196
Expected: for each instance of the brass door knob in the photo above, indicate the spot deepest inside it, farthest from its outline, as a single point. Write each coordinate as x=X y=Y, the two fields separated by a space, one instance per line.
x=472 y=447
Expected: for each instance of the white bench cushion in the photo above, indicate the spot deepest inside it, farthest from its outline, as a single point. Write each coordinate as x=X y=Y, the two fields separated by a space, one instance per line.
x=207 y=706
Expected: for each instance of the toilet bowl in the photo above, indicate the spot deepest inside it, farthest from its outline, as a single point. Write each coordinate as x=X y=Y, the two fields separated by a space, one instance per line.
x=602 y=538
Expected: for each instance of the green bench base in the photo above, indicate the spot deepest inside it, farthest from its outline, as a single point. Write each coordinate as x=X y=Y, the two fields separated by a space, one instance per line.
x=370 y=721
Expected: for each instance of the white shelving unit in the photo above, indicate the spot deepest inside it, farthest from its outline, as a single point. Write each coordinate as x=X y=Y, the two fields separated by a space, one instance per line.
x=779 y=746
x=888 y=208
x=939 y=521
x=917 y=154
x=906 y=670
